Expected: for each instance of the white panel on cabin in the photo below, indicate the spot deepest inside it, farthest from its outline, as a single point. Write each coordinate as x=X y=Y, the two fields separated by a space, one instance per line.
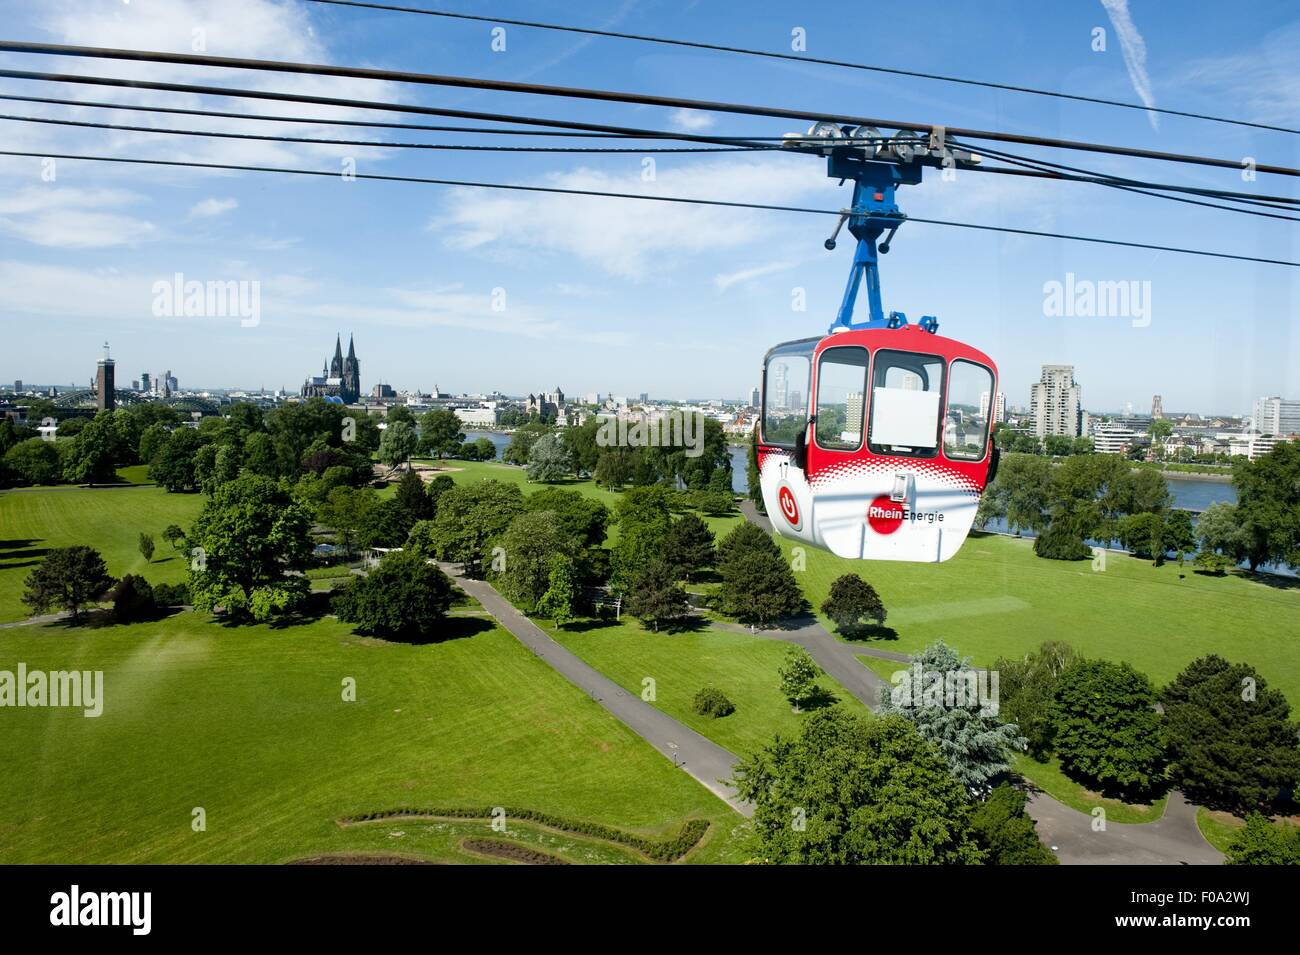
x=903 y=417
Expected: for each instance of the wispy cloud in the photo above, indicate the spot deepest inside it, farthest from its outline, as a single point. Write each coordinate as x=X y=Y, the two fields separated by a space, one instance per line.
x=1134 y=49
x=209 y=208
x=727 y=280
x=690 y=120
x=70 y=218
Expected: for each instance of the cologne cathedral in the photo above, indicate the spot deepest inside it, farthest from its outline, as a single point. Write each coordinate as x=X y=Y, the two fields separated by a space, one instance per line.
x=341 y=378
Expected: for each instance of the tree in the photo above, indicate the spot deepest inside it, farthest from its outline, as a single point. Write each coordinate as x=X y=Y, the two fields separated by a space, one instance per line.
x=1027 y=687
x=440 y=433
x=35 y=461
x=850 y=790
x=521 y=445
x=753 y=478
x=92 y=458
x=133 y=599
x=470 y=517
x=688 y=546
x=530 y=543
x=1211 y=562
x=1061 y=541
x=1261 y=842
x=173 y=465
x=745 y=538
x=964 y=727
x=346 y=510
x=654 y=596
x=259 y=454
x=799 y=674
x=402 y=597
x=435 y=489
x=174 y=536
x=1219 y=529
x=712 y=702
x=1107 y=732
x=68 y=578
x=581 y=444
x=146 y=546
x=1018 y=494
x=851 y=601
x=644 y=520
x=561 y=595
x=249 y=533
x=1005 y=832
x=1178 y=535
x=758 y=586
x=1232 y=744
x=549 y=460
x=412 y=499
x=1144 y=535
x=1268 y=505
x=584 y=519
x=613 y=468
x=398 y=443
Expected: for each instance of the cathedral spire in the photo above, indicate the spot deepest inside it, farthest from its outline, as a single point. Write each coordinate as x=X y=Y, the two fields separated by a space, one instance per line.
x=338 y=348
x=352 y=354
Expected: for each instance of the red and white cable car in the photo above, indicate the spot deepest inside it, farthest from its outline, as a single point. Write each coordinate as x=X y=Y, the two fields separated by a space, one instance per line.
x=875 y=440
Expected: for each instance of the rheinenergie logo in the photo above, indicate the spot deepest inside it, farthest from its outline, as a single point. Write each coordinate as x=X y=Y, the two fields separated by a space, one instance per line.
x=103 y=908
x=74 y=688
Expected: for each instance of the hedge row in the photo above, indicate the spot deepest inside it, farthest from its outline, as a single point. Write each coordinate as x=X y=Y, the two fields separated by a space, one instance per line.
x=660 y=850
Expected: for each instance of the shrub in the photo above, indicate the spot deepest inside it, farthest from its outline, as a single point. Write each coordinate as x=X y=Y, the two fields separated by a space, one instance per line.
x=171 y=595
x=133 y=599
x=1061 y=542
x=711 y=701
x=1263 y=843
x=1004 y=830
x=1212 y=562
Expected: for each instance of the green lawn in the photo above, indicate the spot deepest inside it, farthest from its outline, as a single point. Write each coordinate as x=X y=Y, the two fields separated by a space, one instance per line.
x=108 y=519
x=1218 y=828
x=996 y=598
x=742 y=666
x=1052 y=780
x=249 y=724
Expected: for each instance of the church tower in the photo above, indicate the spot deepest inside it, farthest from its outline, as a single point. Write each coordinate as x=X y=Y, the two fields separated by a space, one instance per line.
x=336 y=363
x=351 y=375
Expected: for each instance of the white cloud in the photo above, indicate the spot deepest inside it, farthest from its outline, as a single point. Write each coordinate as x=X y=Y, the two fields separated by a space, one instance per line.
x=690 y=120
x=209 y=208
x=727 y=280
x=1134 y=49
x=239 y=28
x=1261 y=81
x=71 y=218
x=627 y=237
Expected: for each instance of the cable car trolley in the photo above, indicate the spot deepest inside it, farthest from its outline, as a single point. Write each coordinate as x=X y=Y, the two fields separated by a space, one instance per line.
x=874 y=440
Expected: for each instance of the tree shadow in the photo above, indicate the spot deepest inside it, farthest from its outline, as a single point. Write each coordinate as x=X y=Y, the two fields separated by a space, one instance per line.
x=867 y=632
x=819 y=700
x=447 y=629
x=1276 y=581
x=19 y=552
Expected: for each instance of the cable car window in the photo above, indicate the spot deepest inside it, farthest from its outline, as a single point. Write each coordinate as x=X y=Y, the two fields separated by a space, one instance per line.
x=841 y=393
x=971 y=401
x=905 y=392
x=786 y=378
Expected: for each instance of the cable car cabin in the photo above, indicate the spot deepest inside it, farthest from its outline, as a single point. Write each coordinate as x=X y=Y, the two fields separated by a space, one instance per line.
x=875 y=444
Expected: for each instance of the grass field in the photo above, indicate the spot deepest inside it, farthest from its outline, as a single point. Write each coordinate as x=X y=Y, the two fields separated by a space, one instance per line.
x=108 y=519
x=249 y=724
x=996 y=598
x=743 y=667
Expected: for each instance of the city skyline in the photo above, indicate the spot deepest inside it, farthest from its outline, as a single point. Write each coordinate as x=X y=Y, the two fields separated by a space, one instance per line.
x=677 y=300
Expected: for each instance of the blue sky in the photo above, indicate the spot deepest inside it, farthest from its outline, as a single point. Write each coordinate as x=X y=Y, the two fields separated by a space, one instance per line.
x=624 y=297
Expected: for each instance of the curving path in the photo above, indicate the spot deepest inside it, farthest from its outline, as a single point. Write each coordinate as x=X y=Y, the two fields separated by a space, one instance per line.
x=1173 y=839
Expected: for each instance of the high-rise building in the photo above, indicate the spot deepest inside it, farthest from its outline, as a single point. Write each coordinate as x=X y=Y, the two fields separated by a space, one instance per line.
x=999 y=408
x=146 y=384
x=1055 y=402
x=105 y=395
x=1157 y=408
x=1279 y=416
x=853 y=415
x=18 y=385
x=754 y=398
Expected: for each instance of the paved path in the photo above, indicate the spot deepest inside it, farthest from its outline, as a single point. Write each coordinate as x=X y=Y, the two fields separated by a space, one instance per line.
x=702 y=758
x=1173 y=839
